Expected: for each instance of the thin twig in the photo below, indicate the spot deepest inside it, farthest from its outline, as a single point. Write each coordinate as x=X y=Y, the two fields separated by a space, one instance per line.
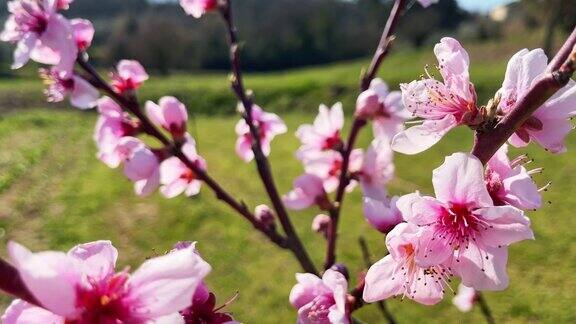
x=368 y=262
x=132 y=106
x=381 y=52
x=485 y=308
x=487 y=142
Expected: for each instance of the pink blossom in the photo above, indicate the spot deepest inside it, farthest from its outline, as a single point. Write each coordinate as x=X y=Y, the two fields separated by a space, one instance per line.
x=377 y=168
x=328 y=166
x=41 y=34
x=443 y=106
x=169 y=114
x=465 y=299
x=63 y=4
x=142 y=167
x=264 y=215
x=324 y=134
x=320 y=223
x=269 y=125
x=197 y=8
x=320 y=301
x=82 y=286
x=112 y=125
x=385 y=108
x=61 y=84
x=550 y=124
x=204 y=309
x=382 y=213
x=177 y=178
x=510 y=183
x=462 y=227
x=129 y=76
x=427 y=3
x=308 y=190
x=398 y=274
x=83 y=33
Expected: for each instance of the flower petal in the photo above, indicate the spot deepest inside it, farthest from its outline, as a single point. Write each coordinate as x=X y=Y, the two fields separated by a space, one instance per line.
x=419 y=138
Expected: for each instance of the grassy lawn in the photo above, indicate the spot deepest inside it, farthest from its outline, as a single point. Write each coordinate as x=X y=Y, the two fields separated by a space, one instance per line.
x=54 y=193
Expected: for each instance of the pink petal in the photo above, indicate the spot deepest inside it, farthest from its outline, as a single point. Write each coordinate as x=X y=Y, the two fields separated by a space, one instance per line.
x=166 y=284
x=382 y=215
x=84 y=95
x=419 y=138
x=146 y=187
x=131 y=69
x=50 y=276
x=308 y=287
x=420 y=210
x=83 y=32
x=244 y=148
x=154 y=112
x=297 y=199
x=507 y=225
x=95 y=260
x=20 y=312
x=465 y=299
x=22 y=51
x=452 y=58
x=174 y=111
x=482 y=268
x=460 y=180
x=379 y=284
x=521 y=191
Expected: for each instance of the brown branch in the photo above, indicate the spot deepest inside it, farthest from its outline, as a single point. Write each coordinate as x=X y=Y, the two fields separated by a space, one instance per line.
x=380 y=54
x=487 y=142
x=11 y=283
x=131 y=105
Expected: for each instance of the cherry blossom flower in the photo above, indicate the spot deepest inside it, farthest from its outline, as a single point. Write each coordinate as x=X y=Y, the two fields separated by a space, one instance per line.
x=382 y=214
x=398 y=274
x=60 y=84
x=427 y=3
x=320 y=301
x=129 y=76
x=112 y=125
x=169 y=114
x=83 y=32
x=176 y=177
x=41 y=34
x=462 y=227
x=264 y=215
x=321 y=223
x=82 y=286
x=323 y=135
x=328 y=166
x=269 y=126
x=198 y=8
x=63 y=4
x=509 y=183
x=443 y=106
x=377 y=168
x=308 y=190
x=465 y=299
x=385 y=108
x=204 y=310
x=142 y=167
x=550 y=124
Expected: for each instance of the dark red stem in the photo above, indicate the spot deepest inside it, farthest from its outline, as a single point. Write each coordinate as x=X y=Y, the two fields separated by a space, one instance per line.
x=381 y=52
x=132 y=106
x=262 y=163
x=487 y=142
x=11 y=283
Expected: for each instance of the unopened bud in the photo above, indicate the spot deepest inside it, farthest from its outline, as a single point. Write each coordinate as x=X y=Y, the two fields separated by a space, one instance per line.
x=321 y=223
x=265 y=215
x=368 y=104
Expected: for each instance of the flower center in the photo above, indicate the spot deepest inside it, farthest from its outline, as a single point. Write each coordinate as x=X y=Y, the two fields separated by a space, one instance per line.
x=458 y=225
x=320 y=308
x=103 y=301
x=32 y=18
x=494 y=186
x=333 y=142
x=188 y=175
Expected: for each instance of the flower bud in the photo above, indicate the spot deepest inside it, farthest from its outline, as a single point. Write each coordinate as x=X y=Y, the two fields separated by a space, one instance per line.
x=342 y=269
x=265 y=215
x=368 y=104
x=321 y=223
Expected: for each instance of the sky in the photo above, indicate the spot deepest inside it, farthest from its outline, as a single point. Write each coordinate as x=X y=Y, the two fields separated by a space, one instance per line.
x=481 y=5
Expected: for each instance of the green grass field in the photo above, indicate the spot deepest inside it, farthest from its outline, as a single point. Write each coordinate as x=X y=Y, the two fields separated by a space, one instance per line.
x=54 y=193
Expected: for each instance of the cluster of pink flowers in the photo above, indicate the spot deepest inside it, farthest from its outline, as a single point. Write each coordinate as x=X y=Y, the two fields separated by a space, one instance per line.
x=463 y=231
x=82 y=286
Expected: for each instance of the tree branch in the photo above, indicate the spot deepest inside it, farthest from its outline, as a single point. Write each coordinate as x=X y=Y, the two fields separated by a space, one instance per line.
x=132 y=106
x=380 y=54
x=262 y=163
x=487 y=142
x=11 y=283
